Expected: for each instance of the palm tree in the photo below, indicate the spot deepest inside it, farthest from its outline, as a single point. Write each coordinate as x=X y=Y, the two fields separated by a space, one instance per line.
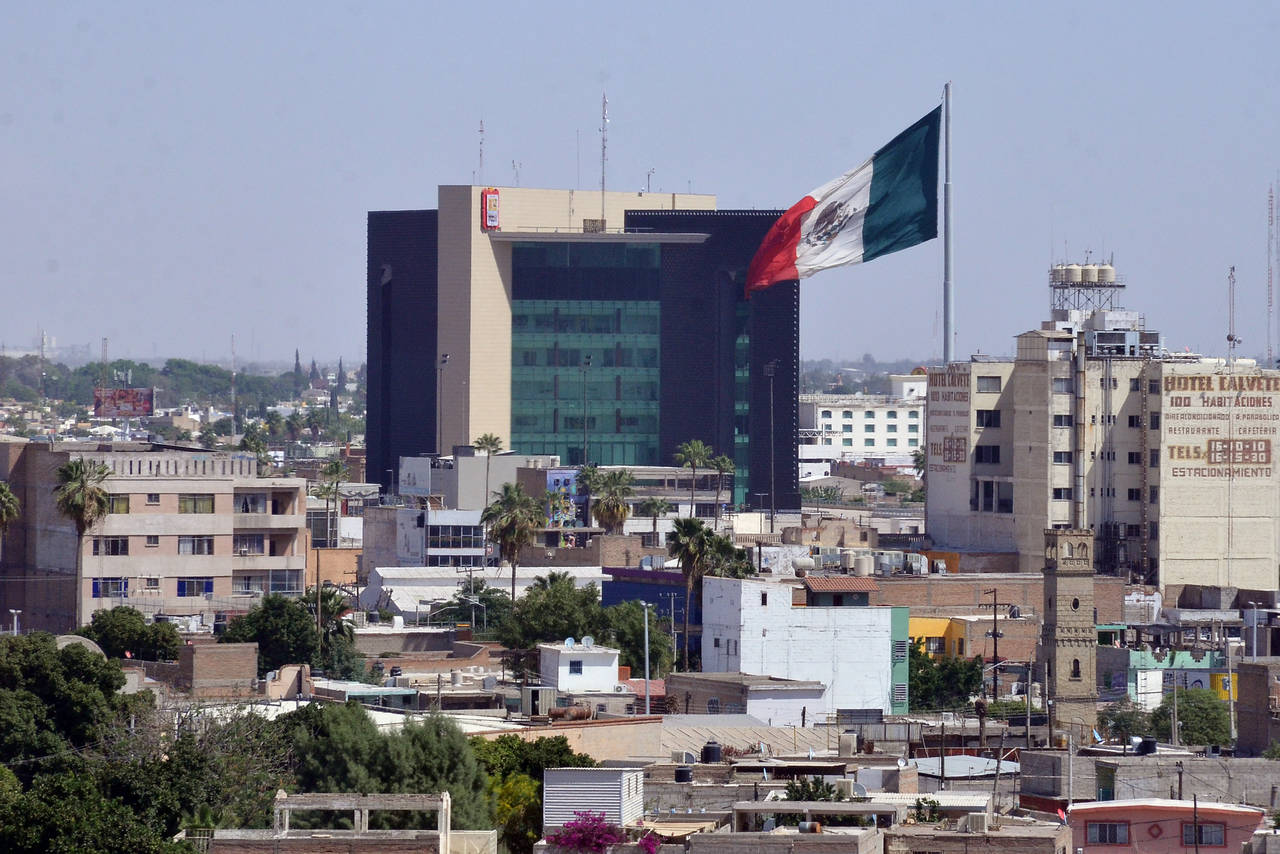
x=332 y=606
x=612 y=510
x=293 y=426
x=654 y=507
x=723 y=465
x=491 y=444
x=10 y=509
x=81 y=497
x=588 y=481
x=693 y=454
x=274 y=424
x=513 y=520
x=331 y=474
x=690 y=543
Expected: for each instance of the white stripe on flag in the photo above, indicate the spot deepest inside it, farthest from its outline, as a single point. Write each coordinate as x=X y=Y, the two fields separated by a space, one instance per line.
x=831 y=233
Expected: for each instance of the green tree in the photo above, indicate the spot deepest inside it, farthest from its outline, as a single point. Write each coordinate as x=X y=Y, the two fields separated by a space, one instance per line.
x=512 y=520
x=612 y=509
x=693 y=455
x=496 y=603
x=328 y=487
x=515 y=769
x=81 y=497
x=1125 y=718
x=727 y=560
x=122 y=632
x=654 y=507
x=625 y=622
x=1202 y=718
x=690 y=544
x=517 y=810
x=553 y=608
x=283 y=628
x=945 y=683
x=723 y=465
x=489 y=444
x=338 y=656
x=10 y=510
x=588 y=483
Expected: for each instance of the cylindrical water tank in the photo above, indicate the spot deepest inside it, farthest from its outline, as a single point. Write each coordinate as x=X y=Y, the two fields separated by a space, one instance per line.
x=1058 y=273
x=455 y=677
x=1072 y=274
x=801 y=565
x=1106 y=274
x=711 y=753
x=684 y=774
x=1089 y=273
x=864 y=565
x=846 y=560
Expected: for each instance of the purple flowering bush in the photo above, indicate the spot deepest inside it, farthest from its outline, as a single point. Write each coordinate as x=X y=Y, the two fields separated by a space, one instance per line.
x=588 y=833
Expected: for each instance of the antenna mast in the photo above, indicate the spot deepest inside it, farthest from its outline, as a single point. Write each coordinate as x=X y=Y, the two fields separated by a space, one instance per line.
x=1232 y=340
x=604 y=147
x=235 y=419
x=481 y=172
x=1271 y=248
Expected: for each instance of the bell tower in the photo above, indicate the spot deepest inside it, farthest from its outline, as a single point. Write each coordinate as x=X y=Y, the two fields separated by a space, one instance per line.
x=1069 y=637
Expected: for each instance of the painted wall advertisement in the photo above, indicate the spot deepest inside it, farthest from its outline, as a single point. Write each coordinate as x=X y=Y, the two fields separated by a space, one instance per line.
x=1220 y=426
x=948 y=420
x=123 y=402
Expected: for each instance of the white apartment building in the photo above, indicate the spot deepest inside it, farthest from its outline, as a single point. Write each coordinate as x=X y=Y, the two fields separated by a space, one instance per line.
x=852 y=427
x=188 y=534
x=578 y=666
x=768 y=628
x=1167 y=457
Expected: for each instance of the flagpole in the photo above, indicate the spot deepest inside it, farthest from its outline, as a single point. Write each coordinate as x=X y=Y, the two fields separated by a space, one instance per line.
x=948 y=296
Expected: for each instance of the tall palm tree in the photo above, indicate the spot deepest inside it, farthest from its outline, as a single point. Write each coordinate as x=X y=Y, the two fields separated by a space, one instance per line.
x=331 y=606
x=81 y=497
x=491 y=444
x=331 y=475
x=513 y=520
x=293 y=426
x=654 y=507
x=10 y=510
x=612 y=510
x=588 y=481
x=693 y=454
x=690 y=544
x=723 y=465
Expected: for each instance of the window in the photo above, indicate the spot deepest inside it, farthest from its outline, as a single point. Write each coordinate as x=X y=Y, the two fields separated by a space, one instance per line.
x=870 y=413
x=1133 y=530
x=892 y=428
x=1153 y=386
x=1108 y=832
x=764 y=599
x=1135 y=421
x=713 y=705
x=195 y=586
x=826 y=441
x=195 y=545
x=1153 y=458
x=989 y=385
x=1155 y=494
x=153 y=498
x=715 y=642
x=846 y=428
x=110 y=588
x=1062 y=493
x=960 y=647
x=1063 y=385
x=1153 y=530
x=935 y=646
x=913 y=443
x=848 y=413
x=899 y=693
x=1155 y=421
x=251 y=502
x=575 y=667
x=117 y=504
x=1135 y=458
x=913 y=428
x=1062 y=421
x=151 y=582
x=1210 y=834
x=869 y=428
x=868 y=443
x=1135 y=494
x=892 y=413
x=913 y=414
x=197 y=503
x=892 y=443
x=153 y=541
x=847 y=443
x=1062 y=457
x=113 y=546
x=986 y=454
x=248 y=544
x=826 y=413
x=1135 y=384
x=900 y=649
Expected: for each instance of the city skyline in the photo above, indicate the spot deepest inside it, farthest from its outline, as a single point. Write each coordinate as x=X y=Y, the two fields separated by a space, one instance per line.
x=181 y=176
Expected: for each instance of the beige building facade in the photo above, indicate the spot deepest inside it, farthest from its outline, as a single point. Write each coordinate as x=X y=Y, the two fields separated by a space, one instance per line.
x=1167 y=458
x=191 y=534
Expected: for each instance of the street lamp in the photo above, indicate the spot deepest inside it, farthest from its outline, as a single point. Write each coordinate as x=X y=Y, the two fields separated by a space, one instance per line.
x=770 y=368
x=646 y=656
x=586 y=365
x=484 y=612
x=444 y=360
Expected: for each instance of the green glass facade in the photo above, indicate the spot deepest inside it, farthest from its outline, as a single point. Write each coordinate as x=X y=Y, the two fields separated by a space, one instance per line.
x=571 y=344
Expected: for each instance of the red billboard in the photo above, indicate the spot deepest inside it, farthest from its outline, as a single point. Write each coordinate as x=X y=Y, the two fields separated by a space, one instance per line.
x=123 y=402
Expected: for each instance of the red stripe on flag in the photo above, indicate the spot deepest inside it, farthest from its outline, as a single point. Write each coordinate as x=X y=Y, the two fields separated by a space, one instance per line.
x=775 y=260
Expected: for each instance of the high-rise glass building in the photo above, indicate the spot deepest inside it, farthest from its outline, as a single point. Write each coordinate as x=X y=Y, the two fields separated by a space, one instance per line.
x=601 y=327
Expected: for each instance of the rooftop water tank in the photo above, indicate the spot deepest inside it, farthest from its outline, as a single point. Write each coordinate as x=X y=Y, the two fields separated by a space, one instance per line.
x=1058 y=273
x=1072 y=274
x=1089 y=273
x=864 y=565
x=1106 y=274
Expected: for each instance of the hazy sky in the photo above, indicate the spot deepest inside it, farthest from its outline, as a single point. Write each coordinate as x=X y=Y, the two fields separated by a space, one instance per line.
x=176 y=173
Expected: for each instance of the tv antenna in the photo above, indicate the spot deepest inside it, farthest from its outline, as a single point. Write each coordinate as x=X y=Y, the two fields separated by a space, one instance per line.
x=1232 y=339
x=1271 y=249
x=515 y=167
x=604 y=147
x=481 y=171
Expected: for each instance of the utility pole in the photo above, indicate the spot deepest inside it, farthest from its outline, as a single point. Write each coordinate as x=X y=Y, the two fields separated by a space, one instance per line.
x=1031 y=668
x=1071 y=768
x=1195 y=817
x=942 y=757
x=646 y=657
x=995 y=644
x=995 y=787
x=1176 y=743
x=1178 y=765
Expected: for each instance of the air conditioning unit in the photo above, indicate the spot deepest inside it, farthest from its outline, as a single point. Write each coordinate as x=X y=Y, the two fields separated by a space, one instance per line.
x=979 y=822
x=620 y=689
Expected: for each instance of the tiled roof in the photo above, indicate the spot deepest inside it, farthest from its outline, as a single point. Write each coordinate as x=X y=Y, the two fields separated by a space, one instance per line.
x=841 y=584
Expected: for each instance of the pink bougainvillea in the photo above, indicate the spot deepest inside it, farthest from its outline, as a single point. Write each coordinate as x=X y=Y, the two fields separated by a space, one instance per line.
x=649 y=843
x=588 y=833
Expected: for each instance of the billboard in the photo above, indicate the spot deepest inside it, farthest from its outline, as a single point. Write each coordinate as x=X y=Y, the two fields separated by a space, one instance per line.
x=123 y=402
x=415 y=476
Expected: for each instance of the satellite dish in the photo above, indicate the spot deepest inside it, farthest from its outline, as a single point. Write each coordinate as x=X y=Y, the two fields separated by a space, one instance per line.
x=902 y=763
x=588 y=641
x=568 y=643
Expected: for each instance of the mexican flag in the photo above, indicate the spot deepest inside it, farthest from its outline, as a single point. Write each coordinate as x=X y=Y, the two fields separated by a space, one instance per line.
x=886 y=204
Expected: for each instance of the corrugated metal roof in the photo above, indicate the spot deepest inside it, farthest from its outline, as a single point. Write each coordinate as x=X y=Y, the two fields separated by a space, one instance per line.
x=965 y=766
x=841 y=584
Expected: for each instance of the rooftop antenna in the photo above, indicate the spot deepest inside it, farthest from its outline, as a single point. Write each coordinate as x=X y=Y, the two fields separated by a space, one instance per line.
x=604 y=147
x=515 y=167
x=1232 y=340
x=1271 y=248
x=648 y=181
x=481 y=171
x=234 y=412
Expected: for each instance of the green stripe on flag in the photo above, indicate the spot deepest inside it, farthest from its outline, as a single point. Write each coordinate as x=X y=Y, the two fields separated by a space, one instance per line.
x=904 y=190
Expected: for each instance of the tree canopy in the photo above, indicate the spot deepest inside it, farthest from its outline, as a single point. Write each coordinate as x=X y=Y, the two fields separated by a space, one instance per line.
x=122 y=632
x=284 y=630
x=1202 y=718
x=945 y=683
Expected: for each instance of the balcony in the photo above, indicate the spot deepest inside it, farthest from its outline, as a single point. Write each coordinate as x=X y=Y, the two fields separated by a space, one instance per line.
x=263 y=563
x=267 y=522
